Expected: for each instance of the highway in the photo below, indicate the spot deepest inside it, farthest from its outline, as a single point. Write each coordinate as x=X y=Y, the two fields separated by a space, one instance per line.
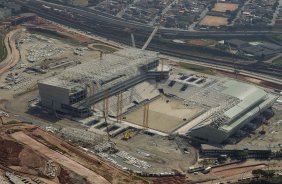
x=230 y=69
x=122 y=23
x=13 y=54
x=117 y=34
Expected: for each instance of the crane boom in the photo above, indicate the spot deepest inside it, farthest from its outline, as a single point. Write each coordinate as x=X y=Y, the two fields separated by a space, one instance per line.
x=151 y=37
x=133 y=40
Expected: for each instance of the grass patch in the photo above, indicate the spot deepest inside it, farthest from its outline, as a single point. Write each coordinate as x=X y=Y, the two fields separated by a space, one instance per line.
x=277 y=61
x=3 y=51
x=108 y=177
x=201 y=42
x=277 y=36
x=105 y=48
x=197 y=68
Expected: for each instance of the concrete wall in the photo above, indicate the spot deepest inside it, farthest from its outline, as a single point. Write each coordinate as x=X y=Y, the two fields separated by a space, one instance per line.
x=52 y=97
x=210 y=134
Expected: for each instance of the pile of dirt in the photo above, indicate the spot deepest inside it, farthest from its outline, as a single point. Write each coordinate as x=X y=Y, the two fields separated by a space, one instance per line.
x=9 y=152
x=170 y=180
x=67 y=176
x=22 y=158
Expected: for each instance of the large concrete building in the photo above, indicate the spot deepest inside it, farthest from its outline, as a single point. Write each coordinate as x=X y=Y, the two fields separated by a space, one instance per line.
x=230 y=105
x=76 y=89
x=214 y=108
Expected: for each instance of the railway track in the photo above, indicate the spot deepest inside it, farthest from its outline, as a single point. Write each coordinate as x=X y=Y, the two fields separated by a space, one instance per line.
x=120 y=35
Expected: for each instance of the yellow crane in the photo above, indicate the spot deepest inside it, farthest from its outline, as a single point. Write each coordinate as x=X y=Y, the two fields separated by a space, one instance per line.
x=127 y=135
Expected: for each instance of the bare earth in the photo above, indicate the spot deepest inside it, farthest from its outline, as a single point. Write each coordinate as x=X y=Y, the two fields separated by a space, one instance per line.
x=223 y=7
x=214 y=21
x=13 y=54
x=91 y=176
x=164 y=116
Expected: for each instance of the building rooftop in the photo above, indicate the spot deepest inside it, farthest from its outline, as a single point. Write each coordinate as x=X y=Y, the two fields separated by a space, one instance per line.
x=111 y=69
x=233 y=147
x=228 y=103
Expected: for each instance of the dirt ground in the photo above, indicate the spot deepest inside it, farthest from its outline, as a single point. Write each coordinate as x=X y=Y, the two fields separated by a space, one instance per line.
x=163 y=116
x=201 y=42
x=63 y=160
x=164 y=154
x=12 y=52
x=214 y=21
x=273 y=129
x=223 y=7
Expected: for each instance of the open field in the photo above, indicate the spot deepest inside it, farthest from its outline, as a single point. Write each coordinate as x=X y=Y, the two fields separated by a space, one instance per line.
x=197 y=68
x=201 y=42
x=277 y=61
x=103 y=47
x=31 y=149
x=223 y=7
x=214 y=21
x=165 y=114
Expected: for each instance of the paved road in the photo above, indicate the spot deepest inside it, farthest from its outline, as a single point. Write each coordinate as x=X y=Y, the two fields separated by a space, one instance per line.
x=202 y=15
x=101 y=17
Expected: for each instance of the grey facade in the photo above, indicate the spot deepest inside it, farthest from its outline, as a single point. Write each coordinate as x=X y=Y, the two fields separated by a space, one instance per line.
x=72 y=91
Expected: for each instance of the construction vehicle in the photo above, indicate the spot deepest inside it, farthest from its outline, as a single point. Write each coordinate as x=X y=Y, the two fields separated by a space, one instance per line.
x=127 y=135
x=113 y=148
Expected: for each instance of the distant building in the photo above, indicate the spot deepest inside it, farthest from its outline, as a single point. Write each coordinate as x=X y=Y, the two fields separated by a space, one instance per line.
x=236 y=43
x=78 y=2
x=235 y=151
x=258 y=50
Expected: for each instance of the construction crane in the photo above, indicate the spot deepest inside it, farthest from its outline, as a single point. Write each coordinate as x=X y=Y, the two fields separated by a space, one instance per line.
x=113 y=148
x=91 y=87
x=151 y=37
x=133 y=40
x=106 y=103
x=234 y=65
x=119 y=107
x=146 y=116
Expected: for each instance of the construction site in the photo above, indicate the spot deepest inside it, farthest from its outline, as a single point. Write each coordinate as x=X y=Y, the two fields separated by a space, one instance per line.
x=92 y=111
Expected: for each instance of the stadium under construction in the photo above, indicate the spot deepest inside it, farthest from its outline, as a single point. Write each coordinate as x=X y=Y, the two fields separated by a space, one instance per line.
x=135 y=88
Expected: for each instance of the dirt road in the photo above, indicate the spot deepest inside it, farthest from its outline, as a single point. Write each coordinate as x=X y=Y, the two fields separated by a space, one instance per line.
x=91 y=176
x=13 y=54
